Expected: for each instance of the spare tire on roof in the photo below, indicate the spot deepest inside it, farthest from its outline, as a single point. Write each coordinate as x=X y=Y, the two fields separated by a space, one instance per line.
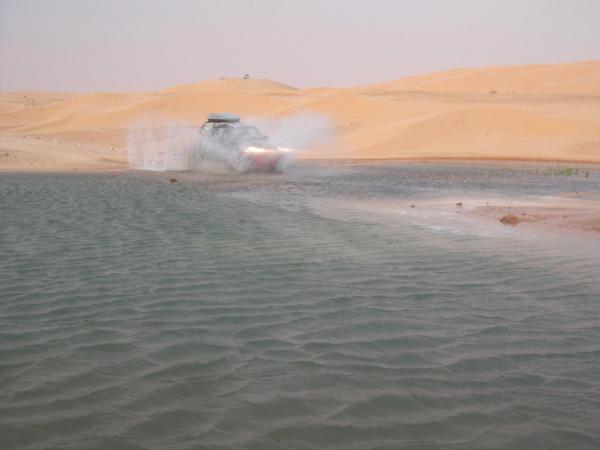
x=223 y=117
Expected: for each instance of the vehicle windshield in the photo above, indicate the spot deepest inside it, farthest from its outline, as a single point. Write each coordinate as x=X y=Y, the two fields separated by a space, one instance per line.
x=245 y=132
x=237 y=132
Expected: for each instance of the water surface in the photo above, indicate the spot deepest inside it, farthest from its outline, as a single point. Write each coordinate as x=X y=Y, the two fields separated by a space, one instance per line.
x=257 y=312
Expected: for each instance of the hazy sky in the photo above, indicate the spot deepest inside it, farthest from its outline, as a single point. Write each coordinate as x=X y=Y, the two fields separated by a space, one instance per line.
x=98 y=45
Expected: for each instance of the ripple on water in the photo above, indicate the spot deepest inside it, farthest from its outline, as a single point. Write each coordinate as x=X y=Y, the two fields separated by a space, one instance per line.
x=234 y=314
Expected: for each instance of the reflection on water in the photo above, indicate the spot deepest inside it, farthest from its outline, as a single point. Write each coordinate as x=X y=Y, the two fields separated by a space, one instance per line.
x=291 y=311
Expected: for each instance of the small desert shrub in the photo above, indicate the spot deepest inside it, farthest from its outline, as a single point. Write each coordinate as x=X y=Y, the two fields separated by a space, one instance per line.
x=560 y=171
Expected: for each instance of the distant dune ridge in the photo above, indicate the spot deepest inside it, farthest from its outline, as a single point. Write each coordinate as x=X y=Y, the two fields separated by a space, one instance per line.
x=536 y=112
x=566 y=79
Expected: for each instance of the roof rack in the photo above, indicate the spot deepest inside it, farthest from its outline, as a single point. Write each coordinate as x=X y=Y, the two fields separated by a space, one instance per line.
x=223 y=117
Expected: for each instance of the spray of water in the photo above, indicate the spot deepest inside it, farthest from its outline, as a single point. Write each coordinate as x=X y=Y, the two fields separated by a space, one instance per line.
x=178 y=146
x=161 y=148
x=301 y=131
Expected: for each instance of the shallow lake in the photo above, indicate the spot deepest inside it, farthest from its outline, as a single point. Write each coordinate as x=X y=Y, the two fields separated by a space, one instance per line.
x=293 y=311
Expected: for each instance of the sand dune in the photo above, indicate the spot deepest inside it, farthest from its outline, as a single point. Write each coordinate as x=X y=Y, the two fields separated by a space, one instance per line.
x=540 y=112
x=558 y=79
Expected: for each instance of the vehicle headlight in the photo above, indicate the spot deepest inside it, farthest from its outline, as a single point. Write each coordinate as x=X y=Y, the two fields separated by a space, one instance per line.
x=252 y=149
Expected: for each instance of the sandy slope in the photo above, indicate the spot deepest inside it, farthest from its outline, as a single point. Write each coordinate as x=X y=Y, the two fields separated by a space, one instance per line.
x=554 y=79
x=544 y=112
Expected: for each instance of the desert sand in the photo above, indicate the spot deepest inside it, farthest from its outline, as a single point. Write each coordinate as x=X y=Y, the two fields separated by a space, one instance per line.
x=535 y=113
x=573 y=212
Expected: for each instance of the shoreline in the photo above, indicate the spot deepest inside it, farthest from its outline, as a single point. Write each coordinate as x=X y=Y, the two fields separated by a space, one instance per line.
x=467 y=162
x=36 y=154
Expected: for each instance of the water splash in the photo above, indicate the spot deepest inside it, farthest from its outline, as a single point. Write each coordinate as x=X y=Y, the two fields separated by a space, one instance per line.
x=163 y=148
x=302 y=131
x=176 y=146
